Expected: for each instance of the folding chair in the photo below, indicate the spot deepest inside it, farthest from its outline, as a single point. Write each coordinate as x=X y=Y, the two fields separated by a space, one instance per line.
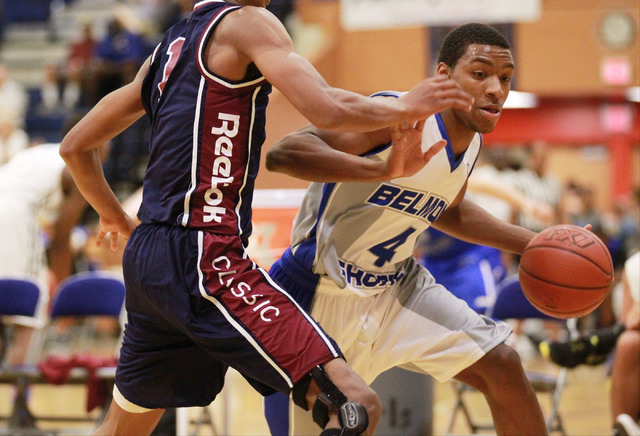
x=23 y=302
x=510 y=303
x=91 y=293
x=83 y=295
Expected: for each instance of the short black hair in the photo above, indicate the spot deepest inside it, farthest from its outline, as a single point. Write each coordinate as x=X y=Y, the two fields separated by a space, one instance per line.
x=456 y=42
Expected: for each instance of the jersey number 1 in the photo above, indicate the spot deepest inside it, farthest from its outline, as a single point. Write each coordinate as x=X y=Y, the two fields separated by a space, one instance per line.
x=173 y=51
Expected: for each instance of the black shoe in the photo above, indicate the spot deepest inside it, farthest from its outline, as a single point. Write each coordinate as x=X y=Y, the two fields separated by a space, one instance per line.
x=591 y=349
x=625 y=426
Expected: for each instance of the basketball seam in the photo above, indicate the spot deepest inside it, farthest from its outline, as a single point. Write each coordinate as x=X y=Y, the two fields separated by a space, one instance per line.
x=573 y=252
x=564 y=312
x=589 y=288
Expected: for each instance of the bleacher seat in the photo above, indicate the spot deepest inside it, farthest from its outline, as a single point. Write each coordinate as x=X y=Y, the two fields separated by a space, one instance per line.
x=40 y=125
x=27 y=11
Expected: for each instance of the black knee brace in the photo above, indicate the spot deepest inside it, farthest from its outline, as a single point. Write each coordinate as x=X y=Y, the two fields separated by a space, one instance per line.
x=351 y=414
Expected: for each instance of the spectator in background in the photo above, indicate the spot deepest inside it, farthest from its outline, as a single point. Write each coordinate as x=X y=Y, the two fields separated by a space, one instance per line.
x=12 y=138
x=623 y=226
x=79 y=61
x=535 y=182
x=64 y=86
x=39 y=207
x=581 y=209
x=82 y=49
x=118 y=55
x=625 y=373
x=578 y=207
x=13 y=96
x=59 y=93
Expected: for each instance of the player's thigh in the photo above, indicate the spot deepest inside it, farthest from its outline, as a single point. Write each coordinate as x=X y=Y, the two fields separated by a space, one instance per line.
x=161 y=367
x=348 y=318
x=430 y=330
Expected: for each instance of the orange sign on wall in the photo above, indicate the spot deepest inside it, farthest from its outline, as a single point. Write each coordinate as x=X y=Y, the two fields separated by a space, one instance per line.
x=273 y=214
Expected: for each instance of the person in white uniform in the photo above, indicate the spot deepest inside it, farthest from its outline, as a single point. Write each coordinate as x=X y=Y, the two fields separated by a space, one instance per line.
x=351 y=262
x=39 y=206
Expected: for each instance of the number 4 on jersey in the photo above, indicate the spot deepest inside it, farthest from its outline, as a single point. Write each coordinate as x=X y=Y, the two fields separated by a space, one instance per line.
x=385 y=250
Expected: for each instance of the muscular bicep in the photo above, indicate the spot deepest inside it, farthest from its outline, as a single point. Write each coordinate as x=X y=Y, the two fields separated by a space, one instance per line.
x=270 y=48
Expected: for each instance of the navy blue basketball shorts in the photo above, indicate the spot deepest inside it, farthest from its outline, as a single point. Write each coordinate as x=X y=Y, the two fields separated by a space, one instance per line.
x=196 y=305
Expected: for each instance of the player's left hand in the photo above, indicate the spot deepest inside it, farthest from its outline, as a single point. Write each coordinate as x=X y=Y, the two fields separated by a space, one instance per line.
x=407 y=157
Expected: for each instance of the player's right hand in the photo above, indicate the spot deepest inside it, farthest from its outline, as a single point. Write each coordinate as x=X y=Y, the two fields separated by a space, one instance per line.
x=434 y=95
x=123 y=226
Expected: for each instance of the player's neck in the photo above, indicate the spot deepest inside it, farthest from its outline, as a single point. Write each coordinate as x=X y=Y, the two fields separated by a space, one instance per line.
x=460 y=135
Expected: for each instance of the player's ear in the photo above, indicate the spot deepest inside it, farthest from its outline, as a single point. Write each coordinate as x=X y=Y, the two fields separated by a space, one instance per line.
x=443 y=70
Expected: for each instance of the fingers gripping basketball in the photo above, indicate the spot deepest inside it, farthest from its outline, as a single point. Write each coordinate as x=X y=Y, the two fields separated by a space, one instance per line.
x=566 y=271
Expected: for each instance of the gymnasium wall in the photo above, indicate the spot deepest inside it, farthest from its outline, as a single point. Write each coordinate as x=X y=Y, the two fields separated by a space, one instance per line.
x=560 y=57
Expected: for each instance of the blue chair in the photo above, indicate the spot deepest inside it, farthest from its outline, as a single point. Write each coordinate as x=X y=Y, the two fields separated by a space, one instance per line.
x=23 y=302
x=27 y=11
x=89 y=294
x=85 y=294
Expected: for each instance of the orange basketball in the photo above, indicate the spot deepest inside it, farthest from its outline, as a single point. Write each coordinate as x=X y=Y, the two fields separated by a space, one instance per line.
x=566 y=271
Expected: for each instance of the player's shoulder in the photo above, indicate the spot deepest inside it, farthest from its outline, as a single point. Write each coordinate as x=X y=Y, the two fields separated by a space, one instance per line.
x=247 y=14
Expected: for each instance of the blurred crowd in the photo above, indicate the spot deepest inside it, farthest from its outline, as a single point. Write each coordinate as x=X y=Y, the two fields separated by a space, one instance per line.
x=104 y=54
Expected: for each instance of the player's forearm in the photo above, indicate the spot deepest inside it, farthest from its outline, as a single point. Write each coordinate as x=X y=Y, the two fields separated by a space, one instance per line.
x=336 y=109
x=86 y=170
x=471 y=223
x=346 y=111
x=307 y=157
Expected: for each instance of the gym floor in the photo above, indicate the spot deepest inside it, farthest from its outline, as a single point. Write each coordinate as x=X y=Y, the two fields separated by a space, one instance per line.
x=584 y=405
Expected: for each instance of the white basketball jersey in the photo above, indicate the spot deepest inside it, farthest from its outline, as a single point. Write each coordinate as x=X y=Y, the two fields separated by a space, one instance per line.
x=33 y=176
x=30 y=195
x=359 y=234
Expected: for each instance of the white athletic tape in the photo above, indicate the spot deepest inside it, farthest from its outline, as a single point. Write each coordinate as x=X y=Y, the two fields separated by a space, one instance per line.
x=126 y=404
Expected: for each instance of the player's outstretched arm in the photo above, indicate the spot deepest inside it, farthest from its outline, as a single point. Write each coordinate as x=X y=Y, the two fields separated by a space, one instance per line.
x=270 y=48
x=329 y=156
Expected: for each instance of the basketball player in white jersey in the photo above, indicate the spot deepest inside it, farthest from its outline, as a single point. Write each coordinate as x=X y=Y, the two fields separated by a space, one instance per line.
x=350 y=260
x=37 y=197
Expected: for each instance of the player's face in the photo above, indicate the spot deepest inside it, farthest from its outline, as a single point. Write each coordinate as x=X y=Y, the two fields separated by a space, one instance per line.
x=485 y=72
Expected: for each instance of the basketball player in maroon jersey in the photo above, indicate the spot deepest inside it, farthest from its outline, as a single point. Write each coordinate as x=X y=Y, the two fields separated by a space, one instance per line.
x=196 y=303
